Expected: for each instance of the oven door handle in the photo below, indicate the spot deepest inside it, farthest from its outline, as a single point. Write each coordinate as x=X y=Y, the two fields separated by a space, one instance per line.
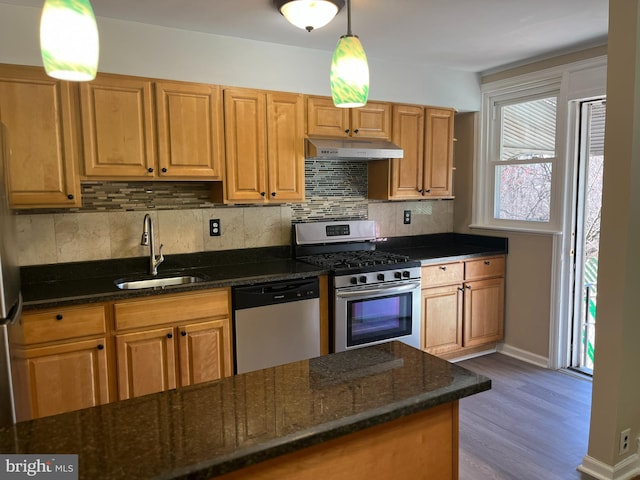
x=383 y=289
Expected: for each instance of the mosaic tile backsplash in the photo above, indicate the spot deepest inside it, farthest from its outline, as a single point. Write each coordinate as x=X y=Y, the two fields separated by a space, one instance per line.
x=109 y=224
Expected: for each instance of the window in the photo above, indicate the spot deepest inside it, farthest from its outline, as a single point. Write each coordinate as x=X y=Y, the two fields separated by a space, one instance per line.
x=519 y=165
x=524 y=163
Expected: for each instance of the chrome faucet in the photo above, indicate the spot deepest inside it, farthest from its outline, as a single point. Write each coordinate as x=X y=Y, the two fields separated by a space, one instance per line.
x=148 y=240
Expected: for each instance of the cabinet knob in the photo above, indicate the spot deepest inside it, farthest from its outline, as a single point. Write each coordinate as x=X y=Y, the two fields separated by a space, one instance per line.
x=460 y=289
x=443 y=268
x=59 y=316
x=150 y=170
x=420 y=191
x=70 y=196
x=347 y=131
x=273 y=194
x=169 y=335
x=468 y=287
x=100 y=346
x=263 y=193
x=164 y=170
x=428 y=190
x=183 y=333
x=356 y=131
x=487 y=262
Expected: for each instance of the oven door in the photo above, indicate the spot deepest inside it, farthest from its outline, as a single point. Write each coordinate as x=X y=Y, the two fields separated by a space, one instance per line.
x=370 y=314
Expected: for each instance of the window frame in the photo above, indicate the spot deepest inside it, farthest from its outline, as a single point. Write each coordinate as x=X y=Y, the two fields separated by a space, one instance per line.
x=491 y=138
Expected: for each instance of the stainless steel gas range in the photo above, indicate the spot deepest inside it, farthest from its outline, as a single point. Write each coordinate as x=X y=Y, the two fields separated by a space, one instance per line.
x=375 y=294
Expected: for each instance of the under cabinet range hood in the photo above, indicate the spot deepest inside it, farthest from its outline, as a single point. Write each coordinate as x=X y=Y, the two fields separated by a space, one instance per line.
x=336 y=149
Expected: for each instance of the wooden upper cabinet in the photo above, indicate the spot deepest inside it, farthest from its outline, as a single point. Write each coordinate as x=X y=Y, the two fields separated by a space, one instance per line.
x=438 y=166
x=285 y=144
x=324 y=119
x=118 y=128
x=245 y=116
x=401 y=178
x=190 y=130
x=426 y=136
x=126 y=118
x=41 y=136
x=264 y=138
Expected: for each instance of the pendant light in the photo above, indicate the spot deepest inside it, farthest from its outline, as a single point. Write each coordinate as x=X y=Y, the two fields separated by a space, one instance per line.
x=309 y=14
x=349 y=70
x=69 y=40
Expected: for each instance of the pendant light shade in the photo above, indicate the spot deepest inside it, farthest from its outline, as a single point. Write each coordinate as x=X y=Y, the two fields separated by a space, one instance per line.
x=349 y=70
x=309 y=14
x=69 y=40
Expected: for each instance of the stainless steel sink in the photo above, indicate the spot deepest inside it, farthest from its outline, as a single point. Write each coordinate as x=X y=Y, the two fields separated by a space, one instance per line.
x=134 y=284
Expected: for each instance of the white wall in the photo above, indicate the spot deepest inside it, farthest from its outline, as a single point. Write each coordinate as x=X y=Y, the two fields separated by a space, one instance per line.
x=145 y=50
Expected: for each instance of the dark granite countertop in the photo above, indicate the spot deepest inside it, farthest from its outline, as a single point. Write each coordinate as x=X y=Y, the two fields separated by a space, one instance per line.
x=84 y=282
x=206 y=430
x=445 y=246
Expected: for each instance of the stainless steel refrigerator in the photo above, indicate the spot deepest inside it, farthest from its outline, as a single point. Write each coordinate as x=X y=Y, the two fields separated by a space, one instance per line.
x=10 y=297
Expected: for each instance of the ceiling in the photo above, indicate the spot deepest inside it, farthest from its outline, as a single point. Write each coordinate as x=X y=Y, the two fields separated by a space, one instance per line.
x=468 y=35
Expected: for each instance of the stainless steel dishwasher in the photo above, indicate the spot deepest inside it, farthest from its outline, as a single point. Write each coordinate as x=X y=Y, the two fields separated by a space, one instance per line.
x=276 y=323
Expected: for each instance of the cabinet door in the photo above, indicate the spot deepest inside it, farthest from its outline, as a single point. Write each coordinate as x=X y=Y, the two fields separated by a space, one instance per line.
x=118 y=128
x=371 y=121
x=205 y=351
x=190 y=130
x=40 y=131
x=483 y=311
x=285 y=140
x=400 y=179
x=324 y=119
x=246 y=144
x=145 y=362
x=438 y=169
x=60 y=378
x=442 y=319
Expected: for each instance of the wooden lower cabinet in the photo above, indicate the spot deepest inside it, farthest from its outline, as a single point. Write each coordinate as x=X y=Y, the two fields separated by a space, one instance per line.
x=462 y=306
x=423 y=445
x=60 y=360
x=61 y=378
x=146 y=362
x=193 y=346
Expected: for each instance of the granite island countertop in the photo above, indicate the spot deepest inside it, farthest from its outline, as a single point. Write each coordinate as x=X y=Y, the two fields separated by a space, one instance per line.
x=206 y=430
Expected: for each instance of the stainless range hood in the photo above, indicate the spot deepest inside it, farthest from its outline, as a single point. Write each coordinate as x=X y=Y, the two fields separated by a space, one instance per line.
x=335 y=149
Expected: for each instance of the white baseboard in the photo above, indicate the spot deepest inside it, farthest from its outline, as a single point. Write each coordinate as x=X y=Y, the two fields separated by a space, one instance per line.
x=523 y=355
x=625 y=470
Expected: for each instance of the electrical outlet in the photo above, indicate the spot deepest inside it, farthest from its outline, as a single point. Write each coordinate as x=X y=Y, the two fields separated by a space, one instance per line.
x=214 y=227
x=407 y=217
x=624 y=441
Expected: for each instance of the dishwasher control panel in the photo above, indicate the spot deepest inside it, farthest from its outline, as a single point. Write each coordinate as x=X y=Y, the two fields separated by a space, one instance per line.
x=282 y=291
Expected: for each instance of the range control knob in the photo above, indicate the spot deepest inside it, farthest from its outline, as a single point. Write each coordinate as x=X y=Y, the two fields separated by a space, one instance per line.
x=405 y=274
x=381 y=277
x=354 y=280
x=397 y=275
x=363 y=279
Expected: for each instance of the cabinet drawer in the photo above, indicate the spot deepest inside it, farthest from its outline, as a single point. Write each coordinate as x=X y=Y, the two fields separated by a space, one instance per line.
x=60 y=324
x=442 y=274
x=484 y=268
x=171 y=308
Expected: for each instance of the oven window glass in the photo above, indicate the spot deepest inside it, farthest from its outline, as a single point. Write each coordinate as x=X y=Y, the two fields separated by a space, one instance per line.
x=379 y=318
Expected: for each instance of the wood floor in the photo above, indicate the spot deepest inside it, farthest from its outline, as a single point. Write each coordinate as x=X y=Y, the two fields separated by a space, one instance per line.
x=532 y=425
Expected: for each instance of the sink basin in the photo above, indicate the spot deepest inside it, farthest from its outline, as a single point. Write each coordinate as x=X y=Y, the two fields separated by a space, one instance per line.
x=131 y=284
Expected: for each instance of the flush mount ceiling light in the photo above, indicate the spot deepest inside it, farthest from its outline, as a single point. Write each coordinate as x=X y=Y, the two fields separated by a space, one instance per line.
x=69 y=40
x=309 y=14
x=349 y=70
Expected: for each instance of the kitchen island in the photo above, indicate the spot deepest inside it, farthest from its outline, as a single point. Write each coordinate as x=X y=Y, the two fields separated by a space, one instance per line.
x=386 y=411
